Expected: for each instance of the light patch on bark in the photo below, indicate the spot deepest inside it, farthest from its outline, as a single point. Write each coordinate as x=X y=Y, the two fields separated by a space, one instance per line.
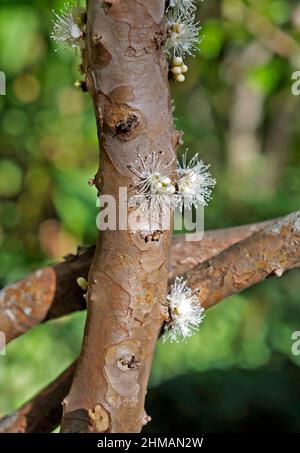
x=291 y=221
x=123 y=387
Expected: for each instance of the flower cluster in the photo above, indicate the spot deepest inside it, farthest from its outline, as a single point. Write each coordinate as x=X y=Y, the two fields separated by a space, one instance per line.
x=182 y=33
x=194 y=182
x=190 y=184
x=68 y=26
x=179 y=69
x=185 y=311
x=155 y=191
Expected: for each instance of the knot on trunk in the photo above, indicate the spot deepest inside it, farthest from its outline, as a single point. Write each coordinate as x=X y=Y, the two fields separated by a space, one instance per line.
x=122 y=121
x=98 y=419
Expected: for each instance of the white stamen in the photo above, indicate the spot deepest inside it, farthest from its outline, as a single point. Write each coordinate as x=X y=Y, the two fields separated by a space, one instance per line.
x=186 y=312
x=183 y=34
x=66 y=28
x=194 y=183
x=154 y=189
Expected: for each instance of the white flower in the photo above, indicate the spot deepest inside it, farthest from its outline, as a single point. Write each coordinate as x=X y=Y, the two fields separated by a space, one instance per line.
x=186 y=312
x=155 y=191
x=66 y=28
x=182 y=34
x=194 y=183
x=183 y=6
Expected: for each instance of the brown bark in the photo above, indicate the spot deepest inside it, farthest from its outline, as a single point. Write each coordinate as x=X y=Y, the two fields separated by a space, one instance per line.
x=185 y=255
x=43 y=413
x=65 y=296
x=53 y=292
x=270 y=251
x=47 y=294
x=127 y=75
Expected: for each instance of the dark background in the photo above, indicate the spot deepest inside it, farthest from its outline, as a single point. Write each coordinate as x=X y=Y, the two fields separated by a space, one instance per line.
x=237 y=110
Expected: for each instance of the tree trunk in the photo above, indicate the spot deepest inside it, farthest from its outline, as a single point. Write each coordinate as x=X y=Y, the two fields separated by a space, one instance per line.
x=127 y=76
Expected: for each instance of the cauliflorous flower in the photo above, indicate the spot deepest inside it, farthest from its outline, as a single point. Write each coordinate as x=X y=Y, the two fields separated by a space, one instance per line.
x=186 y=312
x=183 y=34
x=66 y=28
x=183 y=6
x=155 y=191
x=194 y=182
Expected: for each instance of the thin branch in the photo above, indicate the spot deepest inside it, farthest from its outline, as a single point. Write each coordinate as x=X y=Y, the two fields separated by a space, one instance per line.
x=43 y=413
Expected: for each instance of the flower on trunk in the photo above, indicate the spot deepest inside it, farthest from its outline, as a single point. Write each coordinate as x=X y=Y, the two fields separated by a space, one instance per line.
x=194 y=182
x=155 y=191
x=186 y=312
x=182 y=34
x=67 y=26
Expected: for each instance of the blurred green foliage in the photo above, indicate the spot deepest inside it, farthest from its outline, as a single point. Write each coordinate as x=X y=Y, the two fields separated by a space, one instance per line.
x=49 y=150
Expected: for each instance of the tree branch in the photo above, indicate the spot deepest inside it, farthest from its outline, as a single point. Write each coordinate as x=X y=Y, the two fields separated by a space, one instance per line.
x=271 y=251
x=43 y=413
x=53 y=292
x=186 y=254
x=46 y=294
x=268 y=251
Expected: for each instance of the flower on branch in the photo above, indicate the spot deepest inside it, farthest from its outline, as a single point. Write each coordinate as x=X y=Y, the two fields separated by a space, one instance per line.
x=67 y=28
x=194 y=182
x=155 y=191
x=185 y=310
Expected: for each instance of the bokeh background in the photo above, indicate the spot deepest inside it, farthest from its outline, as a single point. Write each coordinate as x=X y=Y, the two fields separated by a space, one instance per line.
x=237 y=111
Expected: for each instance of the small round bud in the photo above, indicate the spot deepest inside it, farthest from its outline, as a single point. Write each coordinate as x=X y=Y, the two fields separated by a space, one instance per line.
x=180 y=78
x=157 y=185
x=177 y=61
x=176 y=70
x=82 y=283
x=184 y=68
x=165 y=180
x=171 y=189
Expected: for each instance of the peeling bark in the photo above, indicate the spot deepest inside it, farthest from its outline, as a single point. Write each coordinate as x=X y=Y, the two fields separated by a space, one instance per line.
x=269 y=252
x=65 y=296
x=185 y=255
x=46 y=294
x=127 y=76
